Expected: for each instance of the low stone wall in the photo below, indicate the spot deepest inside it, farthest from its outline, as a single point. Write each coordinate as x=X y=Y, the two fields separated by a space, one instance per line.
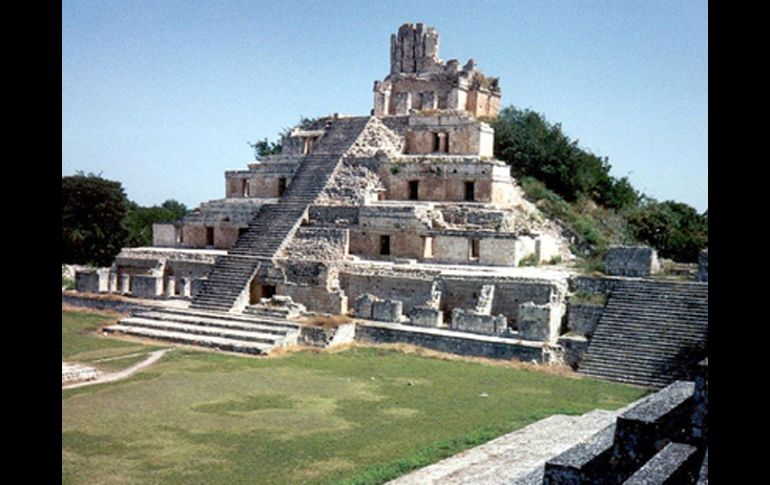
x=477 y=347
x=582 y=318
x=93 y=280
x=475 y=322
x=637 y=261
x=387 y=310
x=422 y=316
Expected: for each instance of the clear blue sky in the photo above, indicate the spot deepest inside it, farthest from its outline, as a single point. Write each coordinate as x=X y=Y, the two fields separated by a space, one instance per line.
x=163 y=96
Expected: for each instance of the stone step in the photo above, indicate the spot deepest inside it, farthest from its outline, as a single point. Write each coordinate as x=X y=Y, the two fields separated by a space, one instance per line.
x=260 y=326
x=241 y=317
x=648 y=332
x=192 y=339
x=208 y=330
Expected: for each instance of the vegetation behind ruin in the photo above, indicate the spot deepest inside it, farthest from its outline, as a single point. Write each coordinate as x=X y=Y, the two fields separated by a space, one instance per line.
x=573 y=185
x=98 y=220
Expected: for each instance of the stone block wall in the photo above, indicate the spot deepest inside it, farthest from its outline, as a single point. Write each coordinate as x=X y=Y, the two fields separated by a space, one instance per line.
x=480 y=347
x=164 y=235
x=387 y=310
x=363 y=306
x=471 y=321
x=426 y=317
x=146 y=286
x=638 y=261
x=316 y=298
x=93 y=280
x=539 y=322
x=411 y=292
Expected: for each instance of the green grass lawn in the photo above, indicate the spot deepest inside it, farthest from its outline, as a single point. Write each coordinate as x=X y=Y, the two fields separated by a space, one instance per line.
x=364 y=415
x=80 y=343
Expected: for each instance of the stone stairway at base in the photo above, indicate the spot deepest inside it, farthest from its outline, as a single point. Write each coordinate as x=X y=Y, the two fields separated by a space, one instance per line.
x=651 y=333
x=274 y=224
x=223 y=331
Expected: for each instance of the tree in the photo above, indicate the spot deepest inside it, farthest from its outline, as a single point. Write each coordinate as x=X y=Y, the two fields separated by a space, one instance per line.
x=93 y=209
x=675 y=229
x=139 y=220
x=534 y=147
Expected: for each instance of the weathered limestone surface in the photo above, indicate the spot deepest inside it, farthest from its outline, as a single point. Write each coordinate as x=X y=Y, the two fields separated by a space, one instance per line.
x=539 y=322
x=146 y=286
x=363 y=306
x=426 y=317
x=93 y=280
x=631 y=261
x=387 y=310
x=472 y=321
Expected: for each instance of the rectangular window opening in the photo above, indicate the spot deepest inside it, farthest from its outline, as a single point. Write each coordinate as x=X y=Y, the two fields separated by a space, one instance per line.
x=245 y=188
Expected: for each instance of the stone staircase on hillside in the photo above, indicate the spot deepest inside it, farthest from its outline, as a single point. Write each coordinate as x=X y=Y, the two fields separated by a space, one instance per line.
x=274 y=224
x=235 y=333
x=651 y=333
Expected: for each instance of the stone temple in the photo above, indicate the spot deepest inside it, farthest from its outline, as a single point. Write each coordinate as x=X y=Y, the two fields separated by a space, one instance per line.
x=404 y=220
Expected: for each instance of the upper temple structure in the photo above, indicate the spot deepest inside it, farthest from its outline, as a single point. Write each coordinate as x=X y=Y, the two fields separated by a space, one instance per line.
x=420 y=82
x=402 y=219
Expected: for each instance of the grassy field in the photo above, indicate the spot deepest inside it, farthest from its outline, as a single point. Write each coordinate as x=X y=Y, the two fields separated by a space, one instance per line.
x=80 y=343
x=363 y=415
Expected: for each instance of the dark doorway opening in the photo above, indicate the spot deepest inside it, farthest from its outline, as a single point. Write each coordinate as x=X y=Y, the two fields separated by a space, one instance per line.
x=414 y=186
x=281 y=186
x=209 y=236
x=384 y=245
x=470 y=191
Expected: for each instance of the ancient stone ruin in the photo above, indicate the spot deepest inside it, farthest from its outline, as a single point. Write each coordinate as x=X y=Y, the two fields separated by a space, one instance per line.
x=405 y=221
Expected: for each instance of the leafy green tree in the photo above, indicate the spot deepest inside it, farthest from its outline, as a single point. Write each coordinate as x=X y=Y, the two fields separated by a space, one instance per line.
x=675 y=229
x=534 y=147
x=93 y=209
x=139 y=220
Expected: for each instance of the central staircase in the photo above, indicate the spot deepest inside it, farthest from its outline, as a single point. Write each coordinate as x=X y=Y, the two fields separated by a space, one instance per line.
x=651 y=333
x=274 y=224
